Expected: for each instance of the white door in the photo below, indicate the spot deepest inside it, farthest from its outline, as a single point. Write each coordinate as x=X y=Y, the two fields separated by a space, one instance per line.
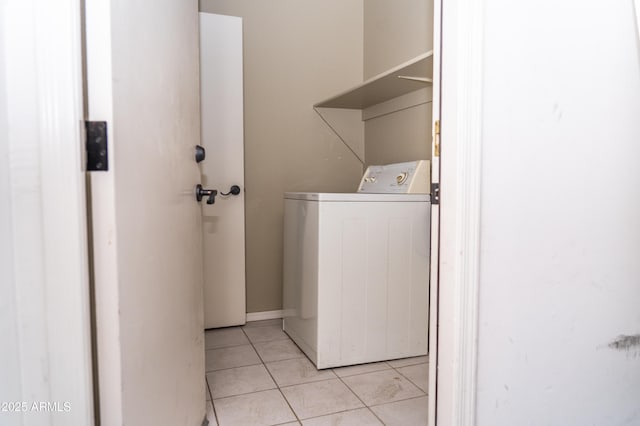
x=223 y=138
x=142 y=72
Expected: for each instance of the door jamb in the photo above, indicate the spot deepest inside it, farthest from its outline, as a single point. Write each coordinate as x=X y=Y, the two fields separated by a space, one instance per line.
x=46 y=209
x=460 y=209
x=434 y=278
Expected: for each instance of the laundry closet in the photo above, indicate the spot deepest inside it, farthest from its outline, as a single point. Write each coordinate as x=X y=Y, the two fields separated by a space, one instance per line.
x=330 y=88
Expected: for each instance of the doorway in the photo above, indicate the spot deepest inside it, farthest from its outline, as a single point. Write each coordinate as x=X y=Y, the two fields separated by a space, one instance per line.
x=288 y=146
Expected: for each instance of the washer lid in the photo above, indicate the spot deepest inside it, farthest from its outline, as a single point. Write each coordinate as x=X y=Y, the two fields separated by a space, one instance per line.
x=356 y=197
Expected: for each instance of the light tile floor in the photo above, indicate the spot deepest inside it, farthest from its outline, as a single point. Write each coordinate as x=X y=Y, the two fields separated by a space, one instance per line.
x=257 y=376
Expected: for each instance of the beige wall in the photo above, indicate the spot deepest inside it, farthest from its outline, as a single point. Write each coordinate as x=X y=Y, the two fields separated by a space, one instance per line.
x=394 y=32
x=296 y=54
x=399 y=130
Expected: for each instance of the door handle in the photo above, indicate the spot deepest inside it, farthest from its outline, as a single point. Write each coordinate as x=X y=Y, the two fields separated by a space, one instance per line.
x=234 y=190
x=210 y=193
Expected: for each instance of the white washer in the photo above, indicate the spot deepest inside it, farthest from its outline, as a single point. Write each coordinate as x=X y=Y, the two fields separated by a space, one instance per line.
x=356 y=268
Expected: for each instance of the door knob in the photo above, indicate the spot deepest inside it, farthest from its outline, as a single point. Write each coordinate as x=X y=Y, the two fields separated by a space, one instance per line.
x=210 y=193
x=200 y=153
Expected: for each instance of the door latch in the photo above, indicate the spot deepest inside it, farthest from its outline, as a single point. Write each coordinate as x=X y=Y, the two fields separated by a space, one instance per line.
x=210 y=193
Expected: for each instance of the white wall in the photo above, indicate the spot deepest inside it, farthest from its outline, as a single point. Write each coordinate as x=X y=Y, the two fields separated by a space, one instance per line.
x=560 y=216
x=9 y=359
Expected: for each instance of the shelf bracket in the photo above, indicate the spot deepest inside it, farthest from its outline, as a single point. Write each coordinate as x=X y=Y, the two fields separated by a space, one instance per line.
x=333 y=129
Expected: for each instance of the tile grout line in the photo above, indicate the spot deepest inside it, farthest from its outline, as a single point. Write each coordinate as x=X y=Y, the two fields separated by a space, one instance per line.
x=308 y=383
x=241 y=328
x=225 y=347
x=279 y=387
x=400 y=400
x=340 y=412
x=410 y=381
x=315 y=381
x=398 y=372
x=245 y=393
x=360 y=399
x=215 y=414
x=208 y=389
x=360 y=374
x=274 y=379
x=230 y=368
x=262 y=363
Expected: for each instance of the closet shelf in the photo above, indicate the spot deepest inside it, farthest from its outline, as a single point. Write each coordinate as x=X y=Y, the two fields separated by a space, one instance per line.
x=414 y=74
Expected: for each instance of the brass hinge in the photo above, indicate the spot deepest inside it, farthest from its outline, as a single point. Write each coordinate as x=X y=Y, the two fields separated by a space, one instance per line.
x=436 y=139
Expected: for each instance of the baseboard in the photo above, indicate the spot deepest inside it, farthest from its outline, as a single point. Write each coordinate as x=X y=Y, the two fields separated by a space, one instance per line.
x=265 y=315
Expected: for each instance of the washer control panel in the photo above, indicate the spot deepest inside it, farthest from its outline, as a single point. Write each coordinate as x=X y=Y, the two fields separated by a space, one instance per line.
x=412 y=177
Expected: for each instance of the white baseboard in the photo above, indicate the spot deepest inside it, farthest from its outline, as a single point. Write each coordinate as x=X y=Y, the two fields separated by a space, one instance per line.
x=265 y=315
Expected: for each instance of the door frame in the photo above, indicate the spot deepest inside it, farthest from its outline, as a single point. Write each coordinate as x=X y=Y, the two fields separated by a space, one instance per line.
x=63 y=211
x=98 y=98
x=461 y=59
x=435 y=213
x=43 y=210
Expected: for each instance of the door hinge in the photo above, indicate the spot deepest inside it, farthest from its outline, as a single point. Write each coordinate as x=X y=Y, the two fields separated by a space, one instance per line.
x=435 y=194
x=436 y=138
x=96 y=140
